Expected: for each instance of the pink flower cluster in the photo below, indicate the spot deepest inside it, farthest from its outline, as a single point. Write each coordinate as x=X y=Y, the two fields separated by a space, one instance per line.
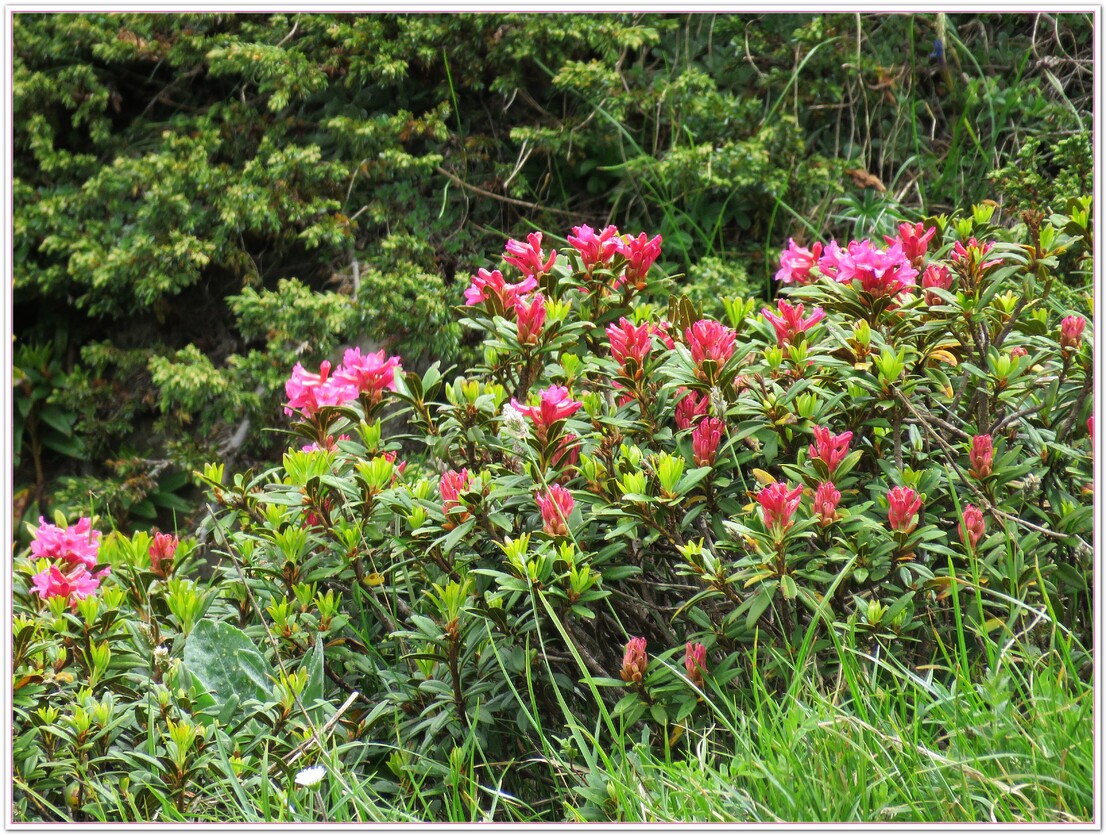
x=705 y=439
x=878 y=272
x=596 y=250
x=828 y=448
x=555 y=505
x=451 y=485
x=554 y=404
x=709 y=341
x=778 y=504
x=162 y=550
x=973 y=526
x=695 y=662
x=789 y=322
x=630 y=344
x=369 y=374
x=904 y=505
x=691 y=407
x=75 y=550
x=528 y=257
x=634 y=662
x=488 y=286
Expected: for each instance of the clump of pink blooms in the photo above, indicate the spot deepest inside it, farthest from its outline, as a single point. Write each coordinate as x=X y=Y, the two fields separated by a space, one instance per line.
x=789 y=322
x=163 y=548
x=634 y=662
x=709 y=341
x=695 y=662
x=530 y=318
x=555 y=505
x=359 y=374
x=692 y=406
x=778 y=504
x=826 y=498
x=492 y=287
x=796 y=263
x=1071 y=332
x=630 y=343
x=451 y=485
x=640 y=253
x=554 y=404
x=913 y=239
x=878 y=272
x=528 y=257
x=705 y=440
x=903 y=507
x=75 y=551
x=973 y=527
x=981 y=456
x=828 y=448
x=935 y=276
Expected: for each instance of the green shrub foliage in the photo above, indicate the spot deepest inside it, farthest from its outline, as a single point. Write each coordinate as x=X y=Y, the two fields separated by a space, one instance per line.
x=202 y=199
x=615 y=517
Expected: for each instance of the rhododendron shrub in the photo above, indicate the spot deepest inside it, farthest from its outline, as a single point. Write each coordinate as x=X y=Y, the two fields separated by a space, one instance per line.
x=896 y=444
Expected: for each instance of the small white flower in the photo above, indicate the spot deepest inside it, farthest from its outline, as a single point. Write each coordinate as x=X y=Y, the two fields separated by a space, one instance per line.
x=311 y=776
x=718 y=404
x=514 y=423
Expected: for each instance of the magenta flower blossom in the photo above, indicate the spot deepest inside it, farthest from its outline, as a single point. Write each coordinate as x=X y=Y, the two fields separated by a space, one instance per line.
x=778 y=504
x=76 y=584
x=488 y=285
x=902 y=512
x=595 y=250
x=973 y=527
x=1071 y=331
x=789 y=321
x=369 y=374
x=691 y=407
x=695 y=662
x=828 y=448
x=796 y=263
x=634 y=661
x=78 y=543
x=554 y=405
x=710 y=340
x=914 y=240
x=935 y=276
x=981 y=456
x=705 y=440
x=331 y=444
x=451 y=485
x=1019 y=351
x=879 y=272
x=630 y=343
x=309 y=392
x=970 y=257
x=640 y=253
x=556 y=505
x=530 y=316
x=826 y=498
x=528 y=257
x=162 y=550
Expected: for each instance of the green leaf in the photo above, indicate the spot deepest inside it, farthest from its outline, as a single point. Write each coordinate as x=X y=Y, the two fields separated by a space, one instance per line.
x=313 y=690
x=787 y=586
x=225 y=662
x=759 y=603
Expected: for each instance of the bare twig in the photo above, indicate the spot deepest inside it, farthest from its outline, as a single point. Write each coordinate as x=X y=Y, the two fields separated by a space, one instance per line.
x=999 y=515
x=453 y=178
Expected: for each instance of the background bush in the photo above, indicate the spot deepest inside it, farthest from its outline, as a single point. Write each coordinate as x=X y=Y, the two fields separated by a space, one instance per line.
x=202 y=199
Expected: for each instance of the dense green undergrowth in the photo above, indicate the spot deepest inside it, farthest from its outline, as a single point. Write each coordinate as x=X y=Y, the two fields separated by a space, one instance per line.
x=683 y=524
x=201 y=200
